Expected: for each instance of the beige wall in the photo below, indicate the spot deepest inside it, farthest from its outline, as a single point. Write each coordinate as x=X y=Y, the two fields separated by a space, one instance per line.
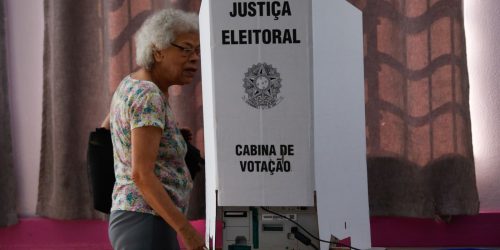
x=25 y=52
x=482 y=27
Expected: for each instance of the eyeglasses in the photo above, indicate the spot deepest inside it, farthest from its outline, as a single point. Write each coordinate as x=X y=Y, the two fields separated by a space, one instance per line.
x=187 y=51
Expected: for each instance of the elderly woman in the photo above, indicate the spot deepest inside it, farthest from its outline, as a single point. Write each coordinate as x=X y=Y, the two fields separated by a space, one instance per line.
x=152 y=186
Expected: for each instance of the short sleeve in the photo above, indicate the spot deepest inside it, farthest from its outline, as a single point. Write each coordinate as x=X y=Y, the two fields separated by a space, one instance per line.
x=147 y=109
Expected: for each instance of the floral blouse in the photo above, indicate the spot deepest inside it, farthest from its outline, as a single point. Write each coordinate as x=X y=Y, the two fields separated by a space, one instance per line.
x=138 y=103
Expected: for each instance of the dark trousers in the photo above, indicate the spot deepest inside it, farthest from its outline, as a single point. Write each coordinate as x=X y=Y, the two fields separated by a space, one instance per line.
x=140 y=231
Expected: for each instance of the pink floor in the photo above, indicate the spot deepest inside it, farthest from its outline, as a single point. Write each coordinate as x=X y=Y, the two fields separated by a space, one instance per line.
x=481 y=230
x=44 y=234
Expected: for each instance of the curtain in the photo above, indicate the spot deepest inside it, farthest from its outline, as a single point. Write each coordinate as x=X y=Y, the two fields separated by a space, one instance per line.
x=420 y=161
x=75 y=100
x=8 y=201
x=88 y=49
x=125 y=18
x=419 y=144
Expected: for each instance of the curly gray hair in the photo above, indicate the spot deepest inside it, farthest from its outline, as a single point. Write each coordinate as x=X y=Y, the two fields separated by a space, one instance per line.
x=159 y=30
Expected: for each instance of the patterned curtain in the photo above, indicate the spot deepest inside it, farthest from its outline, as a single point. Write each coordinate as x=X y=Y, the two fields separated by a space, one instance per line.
x=419 y=145
x=420 y=159
x=88 y=49
x=8 y=201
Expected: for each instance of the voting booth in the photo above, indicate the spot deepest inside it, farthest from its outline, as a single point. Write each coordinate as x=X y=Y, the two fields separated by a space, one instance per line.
x=284 y=122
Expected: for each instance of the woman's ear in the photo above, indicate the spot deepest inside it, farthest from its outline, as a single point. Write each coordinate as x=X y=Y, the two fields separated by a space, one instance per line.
x=158 y=56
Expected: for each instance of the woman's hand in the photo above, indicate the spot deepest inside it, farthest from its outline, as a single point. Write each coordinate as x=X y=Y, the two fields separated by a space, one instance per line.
x=191 y=238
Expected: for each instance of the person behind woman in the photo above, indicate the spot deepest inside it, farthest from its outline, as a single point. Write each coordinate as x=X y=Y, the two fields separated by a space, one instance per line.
x=151 y=193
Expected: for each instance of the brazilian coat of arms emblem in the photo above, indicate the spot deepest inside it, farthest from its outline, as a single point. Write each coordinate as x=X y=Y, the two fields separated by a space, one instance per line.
x=262 y=85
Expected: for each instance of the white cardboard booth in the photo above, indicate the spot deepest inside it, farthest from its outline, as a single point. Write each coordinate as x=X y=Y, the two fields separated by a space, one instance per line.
x=283 y=99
